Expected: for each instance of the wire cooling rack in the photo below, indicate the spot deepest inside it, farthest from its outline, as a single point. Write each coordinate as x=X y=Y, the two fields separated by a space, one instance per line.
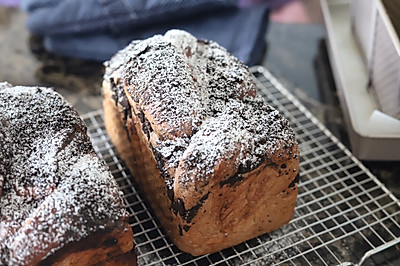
x=343 y=213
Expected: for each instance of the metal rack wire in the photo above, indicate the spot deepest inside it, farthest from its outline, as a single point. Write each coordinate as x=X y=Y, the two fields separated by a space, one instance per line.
x=343 y=213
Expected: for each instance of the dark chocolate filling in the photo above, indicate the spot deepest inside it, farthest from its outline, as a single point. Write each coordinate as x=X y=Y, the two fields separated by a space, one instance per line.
x=146 y=126
x=295 y=181
x=178 y=207
x=119 y=97
x=231 y=181
x=110 y=242
x=180 y=230
x=185 y=227
x=160 y=161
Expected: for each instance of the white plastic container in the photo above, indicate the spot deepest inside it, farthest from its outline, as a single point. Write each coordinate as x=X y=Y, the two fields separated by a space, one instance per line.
x=380 y=48
x=374 y=134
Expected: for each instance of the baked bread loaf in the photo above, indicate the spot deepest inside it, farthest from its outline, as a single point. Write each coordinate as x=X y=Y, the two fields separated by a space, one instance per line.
x=59 y=204
x=217 y=163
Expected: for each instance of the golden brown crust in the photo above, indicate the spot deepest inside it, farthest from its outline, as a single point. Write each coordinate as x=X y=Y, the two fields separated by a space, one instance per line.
x=230 y=215
x=59 y=205
x=98 y=248
x=216 y=163
x=128 y=259
x=137 y=155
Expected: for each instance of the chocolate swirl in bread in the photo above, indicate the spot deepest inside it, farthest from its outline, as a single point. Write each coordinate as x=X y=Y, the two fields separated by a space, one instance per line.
x=59 y=203
x=216 y=162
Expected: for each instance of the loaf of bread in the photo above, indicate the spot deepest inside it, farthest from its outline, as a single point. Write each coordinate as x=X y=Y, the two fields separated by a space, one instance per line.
x=217 y=164
x=59 y=204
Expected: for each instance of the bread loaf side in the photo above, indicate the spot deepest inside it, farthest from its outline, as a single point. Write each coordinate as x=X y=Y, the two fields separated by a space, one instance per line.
x=217 y=163
x=59 y=203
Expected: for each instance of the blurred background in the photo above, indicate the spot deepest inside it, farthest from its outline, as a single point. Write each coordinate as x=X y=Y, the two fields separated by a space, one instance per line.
x=287 y=37
x=291 y=30
x=316 y=48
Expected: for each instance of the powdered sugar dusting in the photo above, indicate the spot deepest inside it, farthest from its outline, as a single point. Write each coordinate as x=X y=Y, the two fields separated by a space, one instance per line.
x=247 y=131
x=56 y=190
x=189 y=83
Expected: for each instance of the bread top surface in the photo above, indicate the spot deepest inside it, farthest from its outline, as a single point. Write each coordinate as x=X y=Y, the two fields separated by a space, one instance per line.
x=180 y=81
x=202 y=109
x=55 y=189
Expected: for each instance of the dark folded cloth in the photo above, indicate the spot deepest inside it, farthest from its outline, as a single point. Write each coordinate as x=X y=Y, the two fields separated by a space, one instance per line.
x=96 y=29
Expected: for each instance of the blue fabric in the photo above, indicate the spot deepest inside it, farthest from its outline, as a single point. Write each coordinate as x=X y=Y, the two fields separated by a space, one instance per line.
x=96 y=29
